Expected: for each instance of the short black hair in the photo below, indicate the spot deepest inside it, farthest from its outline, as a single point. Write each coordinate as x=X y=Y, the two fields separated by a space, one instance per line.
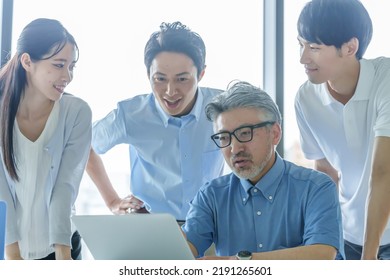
x=178 y=38
x=335 y=22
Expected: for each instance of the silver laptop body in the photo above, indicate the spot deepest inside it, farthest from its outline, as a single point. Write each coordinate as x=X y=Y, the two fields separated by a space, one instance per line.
x=133 y=237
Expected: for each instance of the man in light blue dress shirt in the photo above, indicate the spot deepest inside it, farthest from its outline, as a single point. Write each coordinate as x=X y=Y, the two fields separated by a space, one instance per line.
x=167 y=131
x=268 y=208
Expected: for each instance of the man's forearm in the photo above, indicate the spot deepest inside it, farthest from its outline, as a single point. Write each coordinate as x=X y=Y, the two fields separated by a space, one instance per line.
x=309 y=252
x=378 y=214
x=378 y=206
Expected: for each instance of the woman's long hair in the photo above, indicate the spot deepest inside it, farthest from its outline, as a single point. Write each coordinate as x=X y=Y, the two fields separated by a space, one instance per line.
x=41 y=39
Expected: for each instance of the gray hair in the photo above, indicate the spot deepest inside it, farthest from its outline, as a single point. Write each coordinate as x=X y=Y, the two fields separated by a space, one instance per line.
x=243 y=95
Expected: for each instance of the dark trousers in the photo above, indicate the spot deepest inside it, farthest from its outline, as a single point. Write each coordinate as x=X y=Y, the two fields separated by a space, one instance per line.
x=75 y=251
x=354 y=252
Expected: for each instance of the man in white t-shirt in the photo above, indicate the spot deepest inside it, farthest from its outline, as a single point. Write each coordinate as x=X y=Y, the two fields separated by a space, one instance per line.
x=343 y=113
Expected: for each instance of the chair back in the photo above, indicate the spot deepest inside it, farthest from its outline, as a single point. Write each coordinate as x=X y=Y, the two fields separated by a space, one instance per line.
x=3 y=209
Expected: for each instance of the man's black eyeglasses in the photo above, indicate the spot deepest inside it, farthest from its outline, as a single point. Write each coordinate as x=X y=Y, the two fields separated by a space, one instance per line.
x=243 y=134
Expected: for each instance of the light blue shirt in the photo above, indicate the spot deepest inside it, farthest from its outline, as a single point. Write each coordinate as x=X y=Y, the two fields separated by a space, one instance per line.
x=290 y=206
x=170 y=157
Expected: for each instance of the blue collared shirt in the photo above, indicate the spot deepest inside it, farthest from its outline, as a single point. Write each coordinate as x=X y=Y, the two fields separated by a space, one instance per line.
x=170 y=157
x=290 y=206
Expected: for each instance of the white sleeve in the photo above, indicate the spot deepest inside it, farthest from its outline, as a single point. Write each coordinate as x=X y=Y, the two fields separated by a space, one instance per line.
x=309 y=144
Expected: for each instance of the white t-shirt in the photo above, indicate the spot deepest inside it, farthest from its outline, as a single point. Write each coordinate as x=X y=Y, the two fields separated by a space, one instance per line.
x=33 y=166
x=345 y=134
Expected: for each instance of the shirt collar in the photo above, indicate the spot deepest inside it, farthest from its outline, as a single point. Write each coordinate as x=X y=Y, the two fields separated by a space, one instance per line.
x=362 y=92
x=196 y=111
x=268 y=184
x=366 y=78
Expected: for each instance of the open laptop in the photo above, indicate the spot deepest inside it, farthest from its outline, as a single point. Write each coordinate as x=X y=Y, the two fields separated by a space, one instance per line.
x=133 y=237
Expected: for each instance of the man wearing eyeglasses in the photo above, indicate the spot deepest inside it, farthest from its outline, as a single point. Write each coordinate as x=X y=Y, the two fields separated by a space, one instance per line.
x=267 y=208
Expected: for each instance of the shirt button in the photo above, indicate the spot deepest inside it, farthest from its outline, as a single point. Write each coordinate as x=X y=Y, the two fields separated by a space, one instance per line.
x=270 y=197
x=258 y=213
x=260 y=245
x=244 y=199
x=255 y=190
